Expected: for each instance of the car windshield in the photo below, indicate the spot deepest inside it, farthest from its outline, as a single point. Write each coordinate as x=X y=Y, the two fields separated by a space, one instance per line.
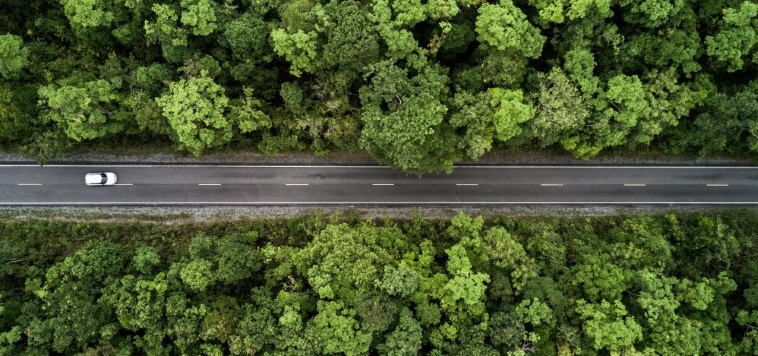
x=103 y=178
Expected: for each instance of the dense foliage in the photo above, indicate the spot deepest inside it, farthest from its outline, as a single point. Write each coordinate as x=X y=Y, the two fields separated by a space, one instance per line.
x=652 y=285
x=417 y=84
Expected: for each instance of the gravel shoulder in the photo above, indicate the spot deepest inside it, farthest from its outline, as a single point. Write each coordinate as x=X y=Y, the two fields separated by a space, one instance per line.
x=182 y=215
x=495 y=157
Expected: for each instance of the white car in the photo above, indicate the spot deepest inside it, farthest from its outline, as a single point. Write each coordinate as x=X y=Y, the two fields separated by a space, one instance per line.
x=102 y=178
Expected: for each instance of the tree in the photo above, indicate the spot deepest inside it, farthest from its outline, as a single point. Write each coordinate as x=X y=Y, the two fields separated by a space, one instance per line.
x=506 y=28
x=680 y=47
x=722 y=126
x=622 y=104
x=472 y=113
x=579 y=65
x=337 y=330
x=298 y=48
x=173 y=24
x=608 y=326
x=401 y=281
x=510 y=111
x=73 y=314
x=14 y=56
x=650 y=13
x=197 y=274
x=406 y=339
x=403 y=120
x=737 y=38
x=84 y=111
x=155 y=77
x=464 y=292
x=559 y=109
x=352 y=41
x=558 y=10
x=195 y=108
x=668 y=332
x=668 y=100
x=394 y=30
x=15 y=124
x=87 y=13
x=246 y=113
x=748 y=321
x=257 y=329
x=248 y=38
x=343 y=263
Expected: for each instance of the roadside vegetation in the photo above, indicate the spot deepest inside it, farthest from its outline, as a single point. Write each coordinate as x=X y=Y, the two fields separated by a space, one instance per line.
x=670 y=284
x=417 y=84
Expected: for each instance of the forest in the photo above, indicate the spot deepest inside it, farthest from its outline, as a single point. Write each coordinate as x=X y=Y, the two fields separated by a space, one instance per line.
x=670 y=284
x=419 y=85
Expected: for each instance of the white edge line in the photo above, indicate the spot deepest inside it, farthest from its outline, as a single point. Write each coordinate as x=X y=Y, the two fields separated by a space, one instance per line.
x=383 y=184
x=29 y=183
x=386 y=203
x=634 y=185
x=467 y=184
x=378 y=167
x=209 y=183
x=717 y=185
x=297 y=184
x=551 y=184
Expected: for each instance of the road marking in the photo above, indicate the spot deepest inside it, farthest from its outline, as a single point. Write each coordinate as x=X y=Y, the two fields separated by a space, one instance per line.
x=467 y=184
x=253 y=203
x=297 y=184
x=123 y=184
x=634 y=185
x=209 y=184
x=376 y=167
x=717 y=185
x=29 y=183
x=383 y=184
x=551 y=184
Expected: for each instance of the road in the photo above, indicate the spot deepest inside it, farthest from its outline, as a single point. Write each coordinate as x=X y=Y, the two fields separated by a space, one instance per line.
x=372 y=185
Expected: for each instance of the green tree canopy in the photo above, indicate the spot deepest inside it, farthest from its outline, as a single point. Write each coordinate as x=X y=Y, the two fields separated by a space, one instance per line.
x=195 y=108
x=14 y=56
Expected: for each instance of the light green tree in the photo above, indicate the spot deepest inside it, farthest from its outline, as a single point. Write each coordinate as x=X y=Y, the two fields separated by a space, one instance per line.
x=511 y=110
x=14 y=56
x=608 y=326
x=338 y=331
x=195 y=108
x=558 y=10
x=505 y=27
x=737 y=39
x=651 y=13
x=84 y=111
x=298 y=48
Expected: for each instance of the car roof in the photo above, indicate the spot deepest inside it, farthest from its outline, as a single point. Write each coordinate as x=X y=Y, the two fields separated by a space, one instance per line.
x=93 y=178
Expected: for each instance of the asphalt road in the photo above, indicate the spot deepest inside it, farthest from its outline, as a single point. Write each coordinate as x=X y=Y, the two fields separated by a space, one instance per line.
x=371 y=185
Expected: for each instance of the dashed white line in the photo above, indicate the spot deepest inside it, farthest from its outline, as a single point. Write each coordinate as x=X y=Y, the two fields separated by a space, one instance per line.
x=467 y=184
x=298 y=184
x=209 y=184
x=123 y=184
x=635 y=185
x=551 y=184
x=717 y=185
x=383 y=184
x=29 y=183
x=3 y=203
